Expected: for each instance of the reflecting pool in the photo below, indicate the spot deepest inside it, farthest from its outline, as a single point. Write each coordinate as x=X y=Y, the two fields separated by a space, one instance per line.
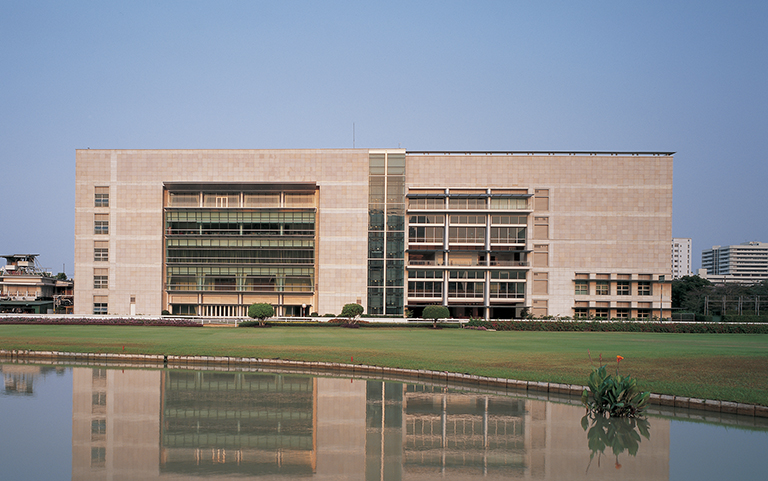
x=97 y=422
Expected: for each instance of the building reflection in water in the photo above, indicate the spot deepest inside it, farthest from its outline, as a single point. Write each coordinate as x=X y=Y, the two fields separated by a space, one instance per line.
x=131 y=424
x=19 y=379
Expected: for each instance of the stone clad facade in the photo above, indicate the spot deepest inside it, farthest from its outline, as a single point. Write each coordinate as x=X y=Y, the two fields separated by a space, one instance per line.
x=499 y=235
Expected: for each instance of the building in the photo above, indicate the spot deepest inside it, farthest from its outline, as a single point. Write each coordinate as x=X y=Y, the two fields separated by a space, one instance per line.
x=681 y=257
x=488 y=234
x=744 y=263
x=26 y=288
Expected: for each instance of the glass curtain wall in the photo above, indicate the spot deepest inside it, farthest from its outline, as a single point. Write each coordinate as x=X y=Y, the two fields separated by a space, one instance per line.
x=386 y=232
x=229 y=243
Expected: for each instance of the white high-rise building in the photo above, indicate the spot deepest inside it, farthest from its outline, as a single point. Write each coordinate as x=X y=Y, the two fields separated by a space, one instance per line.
x=681 y=257
x=746 y=262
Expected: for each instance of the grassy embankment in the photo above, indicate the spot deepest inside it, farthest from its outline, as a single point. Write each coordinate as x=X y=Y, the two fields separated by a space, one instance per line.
x=732 y=367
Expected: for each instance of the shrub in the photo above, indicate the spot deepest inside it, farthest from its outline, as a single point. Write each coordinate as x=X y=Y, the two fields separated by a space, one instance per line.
x=435 y=313
x=261 y=311
x=351 y=311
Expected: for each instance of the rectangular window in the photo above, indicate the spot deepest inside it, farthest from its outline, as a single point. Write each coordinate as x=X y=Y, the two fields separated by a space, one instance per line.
x=425 y=235
x=581 y=312
x=601 y=313
x=101 y=198
x=183 y=200
x=100 y=304
x=101 y=224
x=100 y=251
x=622 y=313
x=582 y=288
x=100 y=278
x=622 y=288
x=602 y=288
x=509 y=203
x=464 y=203
x=466 y=235
x=429 y=203
x=643 y=313
x=643 y=288
x=508 y=235
x=541 y=227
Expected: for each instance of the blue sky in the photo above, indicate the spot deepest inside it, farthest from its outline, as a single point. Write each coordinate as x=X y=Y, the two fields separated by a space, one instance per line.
x=683 y=76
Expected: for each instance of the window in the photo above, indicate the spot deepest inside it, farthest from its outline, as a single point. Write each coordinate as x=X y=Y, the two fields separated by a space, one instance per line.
x=466 y=235
x=643 y=288
x=466 y=203
x=428 y=203
x=601 y=313
x=100 y=251
x=643 y=313
x=427 y=235
x=508 y=235
x=183 y=200
x=101 y=224
x=101 y=198
x=622 y=288
x=602 y=288
x=98 y=429
x=581 y=312
x=582 y=288
x=507 y=203
x=100 y=278
x=622 y=313
x=100 y=304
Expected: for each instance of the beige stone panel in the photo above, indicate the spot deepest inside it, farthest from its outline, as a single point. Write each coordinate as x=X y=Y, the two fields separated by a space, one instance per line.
x=220 y=299
x=183 y=299
x=249 y=299
x=504 y=171
x=297 y=299
x=341 y=429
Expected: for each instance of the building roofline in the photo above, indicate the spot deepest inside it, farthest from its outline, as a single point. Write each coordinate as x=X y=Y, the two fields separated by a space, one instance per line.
x=538 y=152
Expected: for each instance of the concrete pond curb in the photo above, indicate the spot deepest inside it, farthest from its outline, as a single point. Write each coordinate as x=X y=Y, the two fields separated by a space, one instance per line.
x=180 y=362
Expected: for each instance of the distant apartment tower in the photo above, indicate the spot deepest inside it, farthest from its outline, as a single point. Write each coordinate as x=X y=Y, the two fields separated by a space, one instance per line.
x=681 y=257
x=746 y=262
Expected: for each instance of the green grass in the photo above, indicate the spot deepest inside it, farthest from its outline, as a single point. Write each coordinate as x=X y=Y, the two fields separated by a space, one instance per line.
x=732 y=367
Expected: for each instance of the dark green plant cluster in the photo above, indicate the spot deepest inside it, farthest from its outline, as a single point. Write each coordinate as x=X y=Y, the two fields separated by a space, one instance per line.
x=622 y=326
x=616 y=396
x=261 y=311
x=435 y=313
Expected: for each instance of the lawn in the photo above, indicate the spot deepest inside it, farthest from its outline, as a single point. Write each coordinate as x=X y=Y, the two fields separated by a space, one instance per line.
x=732 y=367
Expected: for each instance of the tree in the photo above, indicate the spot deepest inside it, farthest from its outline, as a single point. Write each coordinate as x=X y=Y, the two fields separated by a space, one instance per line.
x=351 y=311
x=685 y=286
x=435 y=313
x=261 y=311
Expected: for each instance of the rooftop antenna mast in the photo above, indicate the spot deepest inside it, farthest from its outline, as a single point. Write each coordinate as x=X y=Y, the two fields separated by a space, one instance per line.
x=353 y=135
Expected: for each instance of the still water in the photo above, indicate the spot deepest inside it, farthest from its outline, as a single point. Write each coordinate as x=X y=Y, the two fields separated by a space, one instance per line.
x=95 y=423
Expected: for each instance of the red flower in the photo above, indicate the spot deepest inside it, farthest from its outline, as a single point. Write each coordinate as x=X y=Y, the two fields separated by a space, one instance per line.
x=619 y=358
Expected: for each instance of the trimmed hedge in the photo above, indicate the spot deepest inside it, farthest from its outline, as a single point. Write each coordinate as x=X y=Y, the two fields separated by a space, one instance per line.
x=101 y=322
x=622 y=326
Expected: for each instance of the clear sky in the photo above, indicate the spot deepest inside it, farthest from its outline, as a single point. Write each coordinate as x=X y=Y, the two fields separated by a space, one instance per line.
x=683 y=76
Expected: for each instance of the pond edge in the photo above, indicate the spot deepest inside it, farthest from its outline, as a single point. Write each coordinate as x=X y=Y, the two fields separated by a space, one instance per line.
x=170 y=361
